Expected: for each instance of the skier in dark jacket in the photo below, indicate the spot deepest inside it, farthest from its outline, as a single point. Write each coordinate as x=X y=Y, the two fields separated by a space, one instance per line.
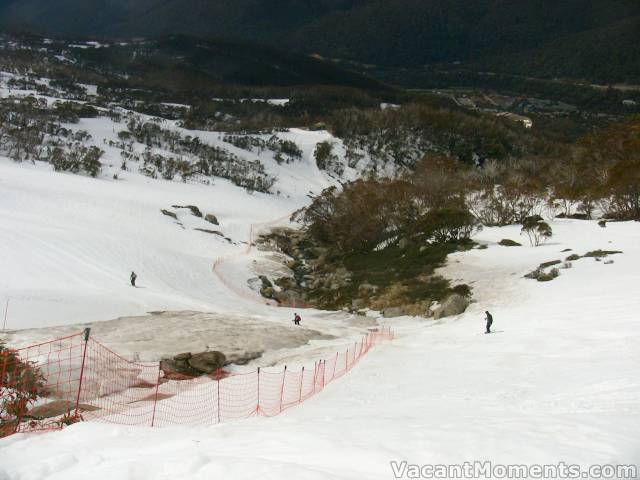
x=296 y=319
x=133 y=279
x=489 y=322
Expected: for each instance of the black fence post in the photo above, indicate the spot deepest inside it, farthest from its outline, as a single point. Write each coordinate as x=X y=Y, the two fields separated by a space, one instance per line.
x=87 y=332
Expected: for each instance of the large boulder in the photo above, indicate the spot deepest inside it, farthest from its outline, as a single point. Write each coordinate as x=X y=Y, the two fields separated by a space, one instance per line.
x=288 y=297
x=453 y=305
x=207 y=362
x=192 y=365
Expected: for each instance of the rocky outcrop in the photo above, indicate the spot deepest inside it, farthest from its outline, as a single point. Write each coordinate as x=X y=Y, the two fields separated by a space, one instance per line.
x=453 y=305
x=195 y=211
x=169 y=214
x=193 y=365
x=211 y=232
x=207 y=362
x=211 y=218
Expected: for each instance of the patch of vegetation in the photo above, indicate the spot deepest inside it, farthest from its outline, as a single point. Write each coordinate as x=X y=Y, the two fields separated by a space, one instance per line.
x=21 y=384
x=541 y=276
x=601 y=253
x=393 y=276
x=506 y=242
x=549 y=264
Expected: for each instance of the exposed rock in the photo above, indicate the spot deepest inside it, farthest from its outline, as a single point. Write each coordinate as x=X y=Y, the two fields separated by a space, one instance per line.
x=177 y=369
x=267 y=292
x=194 y=210
x=212 y=232
x=403 y=243
x=207 y=362
x=454 y=305
x=286 y=283
x=358 y=303
x=169 y=214
x=211 y=218
x=391 y=312
x=185 y=365
x=287 y=297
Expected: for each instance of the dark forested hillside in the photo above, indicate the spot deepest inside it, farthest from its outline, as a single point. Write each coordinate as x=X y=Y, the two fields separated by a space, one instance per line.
x=592 y=39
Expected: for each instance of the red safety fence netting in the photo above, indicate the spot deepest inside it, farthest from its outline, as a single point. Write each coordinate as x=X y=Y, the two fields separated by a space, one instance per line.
x=56 y=383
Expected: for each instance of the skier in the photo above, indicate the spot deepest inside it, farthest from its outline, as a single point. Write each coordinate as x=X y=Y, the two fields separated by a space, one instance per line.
x=489 y=322
x=133 y=279
x=296 y=319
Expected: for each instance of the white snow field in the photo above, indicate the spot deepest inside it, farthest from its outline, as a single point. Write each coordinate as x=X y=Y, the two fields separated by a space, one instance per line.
x=557 y=382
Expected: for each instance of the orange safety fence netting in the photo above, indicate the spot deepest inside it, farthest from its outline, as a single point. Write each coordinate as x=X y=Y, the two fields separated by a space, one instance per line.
x=55 y=383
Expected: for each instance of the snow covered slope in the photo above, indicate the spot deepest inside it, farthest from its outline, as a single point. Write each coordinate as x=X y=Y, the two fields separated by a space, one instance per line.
x=557 y=382
x=69 y=242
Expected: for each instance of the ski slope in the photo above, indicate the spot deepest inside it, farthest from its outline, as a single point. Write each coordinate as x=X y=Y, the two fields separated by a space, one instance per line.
x=68 y=243
x=557 y=382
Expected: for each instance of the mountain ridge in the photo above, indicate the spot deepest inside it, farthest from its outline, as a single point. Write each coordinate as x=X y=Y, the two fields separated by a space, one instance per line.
x=400 y=33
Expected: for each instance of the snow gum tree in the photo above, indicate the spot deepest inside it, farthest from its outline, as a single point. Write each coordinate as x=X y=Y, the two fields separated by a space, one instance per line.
x=537 y=230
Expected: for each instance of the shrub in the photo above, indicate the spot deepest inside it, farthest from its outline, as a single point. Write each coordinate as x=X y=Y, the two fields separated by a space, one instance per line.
x=325 y=158
x=536 y=229
x=601 y=253
x=548 y=276
x=447 y=225
x=21 y=383
x=462 y=289
x=540 y=275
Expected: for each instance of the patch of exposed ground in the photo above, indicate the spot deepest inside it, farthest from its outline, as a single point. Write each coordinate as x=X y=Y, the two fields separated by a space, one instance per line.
x=161 y=334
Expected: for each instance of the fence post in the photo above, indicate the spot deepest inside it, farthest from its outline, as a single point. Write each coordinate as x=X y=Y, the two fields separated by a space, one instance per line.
x=301 y=380
x=335 y=366
x=155 y=400
x=219 y=380
x=258 y=402
x=6 y=309
x=346 y=361
x=324 y=369
x=284 y=376
x=315 y=375
x=87 y=332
